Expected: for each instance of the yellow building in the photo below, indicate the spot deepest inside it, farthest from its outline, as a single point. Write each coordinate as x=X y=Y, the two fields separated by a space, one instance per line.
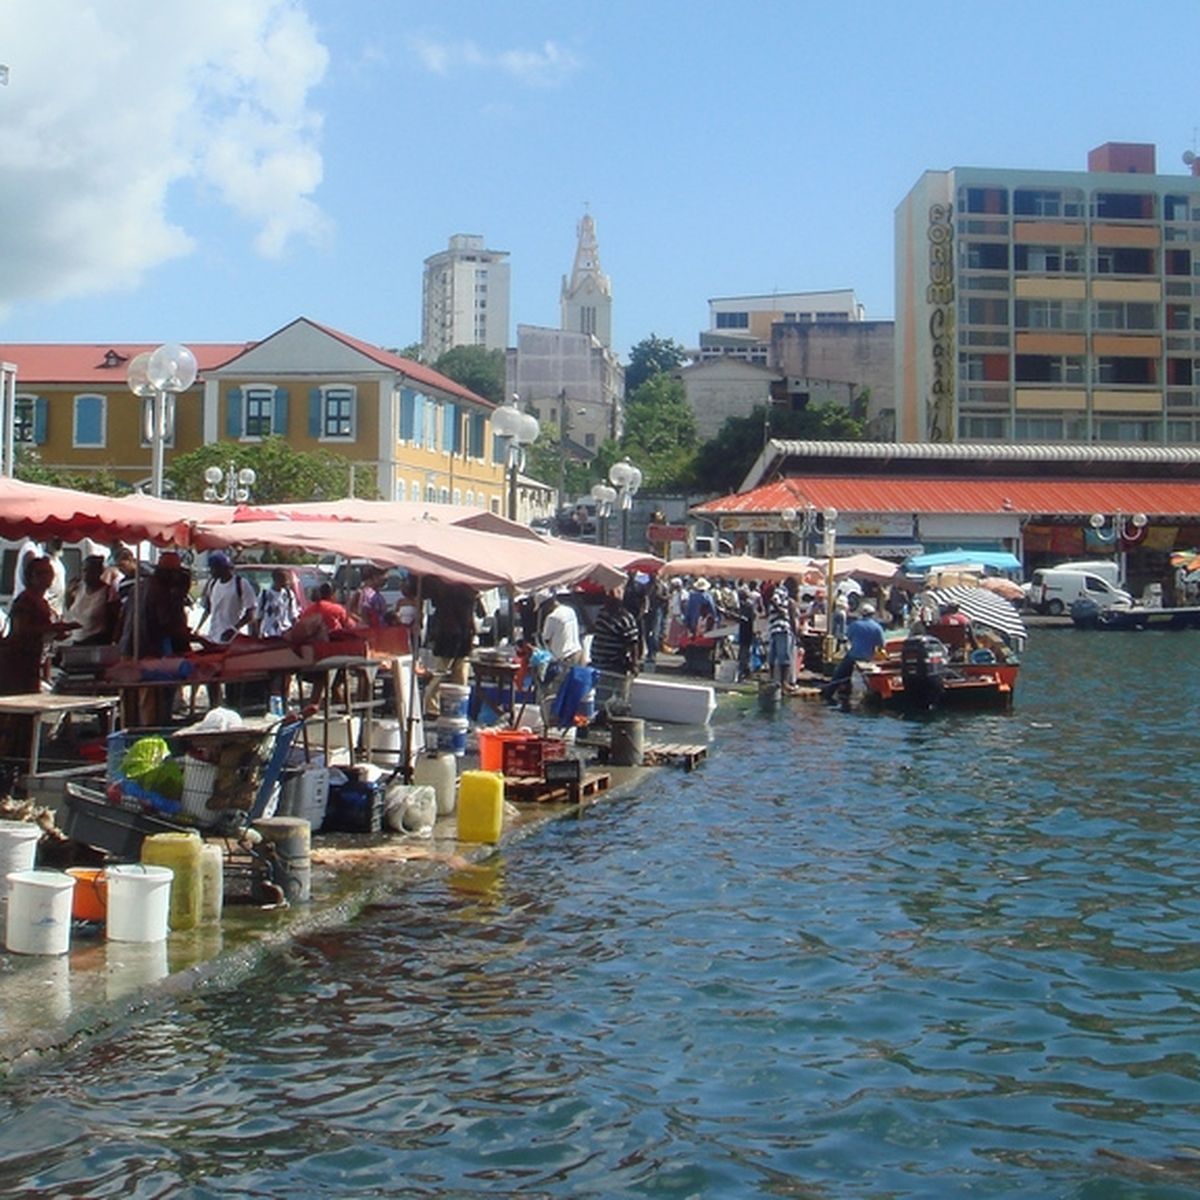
x=424 y=436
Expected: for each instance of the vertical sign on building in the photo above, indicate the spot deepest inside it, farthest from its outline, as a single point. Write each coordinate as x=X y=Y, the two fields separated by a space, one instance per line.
x=939 y=296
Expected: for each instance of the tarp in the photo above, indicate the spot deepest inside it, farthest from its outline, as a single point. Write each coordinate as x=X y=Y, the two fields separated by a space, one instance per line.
x=39 y=511
x=984 y=606
x=425 y=547
x=745 y=567
x=996 y=560
x=864 y=566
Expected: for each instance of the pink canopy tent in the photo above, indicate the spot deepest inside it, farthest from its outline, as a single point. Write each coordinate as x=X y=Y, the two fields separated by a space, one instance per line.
x=39 y=511
x=864 y=566
x=745 y=567
x=425 y=547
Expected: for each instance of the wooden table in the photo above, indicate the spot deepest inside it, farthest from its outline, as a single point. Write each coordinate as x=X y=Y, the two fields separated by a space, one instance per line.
x=47 y=707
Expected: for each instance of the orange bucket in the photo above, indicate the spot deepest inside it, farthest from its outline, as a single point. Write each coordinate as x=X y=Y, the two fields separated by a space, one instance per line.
x=491 y=746
x=90 y=900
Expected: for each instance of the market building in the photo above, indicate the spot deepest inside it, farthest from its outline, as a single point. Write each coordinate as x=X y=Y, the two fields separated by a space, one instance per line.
x=1043 y=503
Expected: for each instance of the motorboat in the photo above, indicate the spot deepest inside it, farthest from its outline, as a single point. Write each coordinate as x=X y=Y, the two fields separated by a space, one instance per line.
x=970 y=660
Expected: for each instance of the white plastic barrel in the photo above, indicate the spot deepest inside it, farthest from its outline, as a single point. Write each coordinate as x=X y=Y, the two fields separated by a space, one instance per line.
x=18 y=848
x=139 y=902
x=39 y=912
x=439 y=771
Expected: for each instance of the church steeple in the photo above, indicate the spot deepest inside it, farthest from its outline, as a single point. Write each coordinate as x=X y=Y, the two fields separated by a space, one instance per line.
x=587 y=294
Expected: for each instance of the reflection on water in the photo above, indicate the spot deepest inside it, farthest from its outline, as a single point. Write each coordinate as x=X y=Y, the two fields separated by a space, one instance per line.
x=848 y=956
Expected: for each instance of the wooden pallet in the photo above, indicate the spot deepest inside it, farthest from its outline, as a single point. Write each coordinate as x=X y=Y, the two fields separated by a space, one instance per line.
x=675 y=754
x=535 y=790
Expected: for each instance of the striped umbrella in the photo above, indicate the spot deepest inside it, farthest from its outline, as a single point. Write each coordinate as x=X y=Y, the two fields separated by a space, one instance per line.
x=985 y=607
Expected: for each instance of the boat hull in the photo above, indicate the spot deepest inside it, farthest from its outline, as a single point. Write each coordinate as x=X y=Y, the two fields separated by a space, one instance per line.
x=968 y=685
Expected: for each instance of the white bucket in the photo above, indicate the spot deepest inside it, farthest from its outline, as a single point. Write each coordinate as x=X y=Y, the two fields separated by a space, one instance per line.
x=453 y=699
x=306 y=794
x=452 y=735
x=18 y=847
x=139 y=902
x=39 y=912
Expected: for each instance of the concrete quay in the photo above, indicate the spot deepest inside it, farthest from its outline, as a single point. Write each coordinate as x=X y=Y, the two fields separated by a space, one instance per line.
x=52 y=1004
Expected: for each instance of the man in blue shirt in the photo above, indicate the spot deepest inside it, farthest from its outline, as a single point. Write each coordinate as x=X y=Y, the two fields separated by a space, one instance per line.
x=864 y=635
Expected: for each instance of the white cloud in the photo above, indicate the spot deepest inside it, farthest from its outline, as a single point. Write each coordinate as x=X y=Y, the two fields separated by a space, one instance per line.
x=546 y=66
x=112 y=105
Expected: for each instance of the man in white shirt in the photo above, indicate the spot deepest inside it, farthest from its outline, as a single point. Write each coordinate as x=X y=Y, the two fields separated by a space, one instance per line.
x=228 y=600
x=560 y=633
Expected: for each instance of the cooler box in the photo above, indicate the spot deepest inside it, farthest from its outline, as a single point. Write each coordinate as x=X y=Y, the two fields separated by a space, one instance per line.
x=671 y=703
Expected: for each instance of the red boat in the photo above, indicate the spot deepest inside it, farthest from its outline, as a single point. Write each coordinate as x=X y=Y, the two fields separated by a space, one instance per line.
x=922 y=673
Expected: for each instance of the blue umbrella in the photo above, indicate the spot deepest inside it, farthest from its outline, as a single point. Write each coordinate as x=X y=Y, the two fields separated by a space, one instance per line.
x=997 y=560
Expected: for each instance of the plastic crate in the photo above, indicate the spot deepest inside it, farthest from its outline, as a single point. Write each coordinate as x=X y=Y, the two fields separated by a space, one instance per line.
x=118 y=831
x=526 y=758
x=354 y=807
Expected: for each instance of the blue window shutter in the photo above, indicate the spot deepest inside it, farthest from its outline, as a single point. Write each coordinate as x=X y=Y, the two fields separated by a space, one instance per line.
x=419 y=420
x=89 y=423
x=315 y=399
x=233 y=413
x=279 y=422
x=41 y=420
x=407 y=406
x=450 y=427
x=478 y=432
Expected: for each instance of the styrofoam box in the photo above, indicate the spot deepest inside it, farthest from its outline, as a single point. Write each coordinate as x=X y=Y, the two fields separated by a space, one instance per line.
x=672 y=703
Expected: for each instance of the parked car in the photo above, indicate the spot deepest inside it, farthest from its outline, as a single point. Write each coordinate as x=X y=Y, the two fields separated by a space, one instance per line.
x=347 y=578
x=308 y=575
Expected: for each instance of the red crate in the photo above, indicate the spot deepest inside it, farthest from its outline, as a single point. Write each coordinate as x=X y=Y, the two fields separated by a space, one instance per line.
x=525 y=759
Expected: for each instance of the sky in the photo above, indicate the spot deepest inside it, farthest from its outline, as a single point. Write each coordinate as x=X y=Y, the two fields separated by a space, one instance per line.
x=210 y=170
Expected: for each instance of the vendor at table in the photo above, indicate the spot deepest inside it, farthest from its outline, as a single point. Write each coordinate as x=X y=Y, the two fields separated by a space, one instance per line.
x=31 y=626
x=451 y=634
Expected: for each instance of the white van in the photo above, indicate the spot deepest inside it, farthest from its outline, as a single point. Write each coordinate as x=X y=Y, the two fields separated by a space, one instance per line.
x=1054 y=589
x=1106 y=568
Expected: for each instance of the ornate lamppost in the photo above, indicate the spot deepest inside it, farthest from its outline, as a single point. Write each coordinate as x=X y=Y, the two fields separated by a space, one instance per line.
x=604 y=497
x=229 y=485
x=1119 y=530
x=626 y=478
x=518 y=430
x=160 y=376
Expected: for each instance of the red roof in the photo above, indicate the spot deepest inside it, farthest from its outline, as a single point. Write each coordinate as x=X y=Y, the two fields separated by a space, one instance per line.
x=1032 y=497
x=98 y=362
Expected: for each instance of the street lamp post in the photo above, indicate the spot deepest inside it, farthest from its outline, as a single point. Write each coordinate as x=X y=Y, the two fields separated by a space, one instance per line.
x=160 y=376
x=229 y=485
x=805 y=523
x=604 y=497
x=518 y=430
x=1121 y=529
x=829 y=550
x=626 y=478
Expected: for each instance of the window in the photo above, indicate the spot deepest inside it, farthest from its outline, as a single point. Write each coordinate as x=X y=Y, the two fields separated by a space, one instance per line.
x=30 y=420
x=1113 y=260
x=1039 y=429
x=1123 y=206
x=457 y=498
x=415 y=492
x=1041 y=202
x=331 y=413
x=1049 y=368
x=987 y=256
x=733 y=320
x=89 y=421
x=1175 y=208
x=1124 y=315
x=1048 y=260
x=986 y=311
x=1049 y=314
x=430 y=494
x=1129 y=429
x=589 y=441
x=986 y=200
x=1113 y=369
x=256 y=411
x=982 y=429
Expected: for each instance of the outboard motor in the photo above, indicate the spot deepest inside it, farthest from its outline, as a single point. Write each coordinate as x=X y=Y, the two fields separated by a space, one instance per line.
x=924 y=666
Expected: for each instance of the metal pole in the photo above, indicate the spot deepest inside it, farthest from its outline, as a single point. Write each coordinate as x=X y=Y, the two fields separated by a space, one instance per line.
x=156 y=461
x=512 y=481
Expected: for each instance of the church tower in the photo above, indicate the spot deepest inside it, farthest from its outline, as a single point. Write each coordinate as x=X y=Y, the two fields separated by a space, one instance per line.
x=587 y=294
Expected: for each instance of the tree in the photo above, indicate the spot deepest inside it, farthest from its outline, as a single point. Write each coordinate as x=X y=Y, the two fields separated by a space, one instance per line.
x=30 y=468
x=414 y=352
x=282 y=473
x=722 y=463
x=652 y=356
x=476 y=368
x=660 y=431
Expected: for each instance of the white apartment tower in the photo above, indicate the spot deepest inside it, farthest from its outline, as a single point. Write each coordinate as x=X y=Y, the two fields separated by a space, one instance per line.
x=587 y=294
x=464 y=298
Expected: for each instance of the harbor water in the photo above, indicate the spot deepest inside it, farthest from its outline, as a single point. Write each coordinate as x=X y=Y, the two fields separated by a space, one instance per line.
x=848 y=956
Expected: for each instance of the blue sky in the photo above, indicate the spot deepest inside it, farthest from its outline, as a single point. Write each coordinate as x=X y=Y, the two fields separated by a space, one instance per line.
x=208 y=170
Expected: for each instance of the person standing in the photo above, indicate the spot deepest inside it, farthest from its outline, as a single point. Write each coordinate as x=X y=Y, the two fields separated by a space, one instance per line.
x=227 y=601
x=560 y=633
x=93 y=605
x=616 y=644
x=864 y=636
x=781 y=636
x=32 y=624
x=278 y=607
